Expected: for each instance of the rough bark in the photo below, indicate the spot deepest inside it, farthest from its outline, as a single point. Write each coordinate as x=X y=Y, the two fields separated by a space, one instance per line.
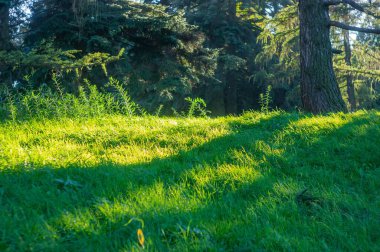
x=4 y=26
x=319 y=88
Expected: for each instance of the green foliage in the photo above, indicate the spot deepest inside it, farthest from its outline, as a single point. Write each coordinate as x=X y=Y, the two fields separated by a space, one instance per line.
x=266 y=100
x=364 y=70
x=164 y=59
x=221 y=184
x=197 y=106
x=279 y=57
x=166 y=50
x=125 y=102
x=46 y=60
x=229 y=27
x=279 y=36
x=45 y=103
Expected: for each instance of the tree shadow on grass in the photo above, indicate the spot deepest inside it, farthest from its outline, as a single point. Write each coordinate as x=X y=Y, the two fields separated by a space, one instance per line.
x=179 y=208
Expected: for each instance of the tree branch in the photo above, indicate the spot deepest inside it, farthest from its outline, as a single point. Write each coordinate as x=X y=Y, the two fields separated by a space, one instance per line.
x=354 y=28
x=354 y=5
x=332 y=2
x=336 y=51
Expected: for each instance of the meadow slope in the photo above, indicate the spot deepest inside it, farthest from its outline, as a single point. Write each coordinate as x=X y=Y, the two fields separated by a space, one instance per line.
x=258 y=182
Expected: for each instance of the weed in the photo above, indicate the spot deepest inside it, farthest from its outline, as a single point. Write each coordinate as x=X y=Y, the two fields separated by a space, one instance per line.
x=197 y=106
x=266 y=100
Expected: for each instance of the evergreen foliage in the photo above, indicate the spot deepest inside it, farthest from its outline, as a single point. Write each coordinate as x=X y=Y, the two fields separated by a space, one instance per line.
x=162 y=51
x=164 y=58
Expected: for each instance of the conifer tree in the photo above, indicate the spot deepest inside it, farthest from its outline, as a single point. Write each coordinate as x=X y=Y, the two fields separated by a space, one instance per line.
x=319 y=88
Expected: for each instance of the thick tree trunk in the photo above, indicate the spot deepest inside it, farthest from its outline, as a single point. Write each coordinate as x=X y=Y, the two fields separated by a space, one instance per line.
x=319 y=88
x=4 y=26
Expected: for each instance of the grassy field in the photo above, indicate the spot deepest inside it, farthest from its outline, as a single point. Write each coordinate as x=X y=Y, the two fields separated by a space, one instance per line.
x=224 y=184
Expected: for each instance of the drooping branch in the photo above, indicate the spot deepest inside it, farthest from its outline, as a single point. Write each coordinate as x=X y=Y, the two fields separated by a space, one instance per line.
x=336 y=51
x=354 y=28
x=354 y=5
x=333 y=2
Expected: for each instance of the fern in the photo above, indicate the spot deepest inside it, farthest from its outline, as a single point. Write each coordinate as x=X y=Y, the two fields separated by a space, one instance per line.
x=45 y=103
x=197 y=105
x=266 y=100
x=129 y=107
x=159 y=110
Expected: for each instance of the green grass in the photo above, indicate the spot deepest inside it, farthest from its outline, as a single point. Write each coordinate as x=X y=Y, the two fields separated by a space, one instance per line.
x=224 y=184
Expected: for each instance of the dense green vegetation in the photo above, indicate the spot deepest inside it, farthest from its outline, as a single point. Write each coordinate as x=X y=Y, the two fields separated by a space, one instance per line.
x=230 y=183
x=226 y=52
x=189 y=125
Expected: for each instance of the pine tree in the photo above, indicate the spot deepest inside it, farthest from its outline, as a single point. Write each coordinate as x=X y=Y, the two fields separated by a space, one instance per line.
x=164 y=58
x=319 y=87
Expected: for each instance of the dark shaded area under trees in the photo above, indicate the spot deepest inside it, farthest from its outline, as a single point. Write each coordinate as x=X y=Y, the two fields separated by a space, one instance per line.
x=224 y=51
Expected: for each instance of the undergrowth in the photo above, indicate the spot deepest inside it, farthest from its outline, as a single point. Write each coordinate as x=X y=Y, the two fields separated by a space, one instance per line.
x=48 y=103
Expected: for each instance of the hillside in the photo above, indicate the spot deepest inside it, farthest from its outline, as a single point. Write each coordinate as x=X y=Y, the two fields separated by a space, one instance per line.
x=192 y=184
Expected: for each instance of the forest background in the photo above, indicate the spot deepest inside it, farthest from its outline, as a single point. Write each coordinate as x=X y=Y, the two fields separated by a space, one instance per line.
x=229 y=53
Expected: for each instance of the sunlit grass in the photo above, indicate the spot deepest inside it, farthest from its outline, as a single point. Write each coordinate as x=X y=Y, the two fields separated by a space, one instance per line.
x=224 y=184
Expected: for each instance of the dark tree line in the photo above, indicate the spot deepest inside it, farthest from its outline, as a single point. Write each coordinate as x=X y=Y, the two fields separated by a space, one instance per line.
x=4 y=25
x=165 y=51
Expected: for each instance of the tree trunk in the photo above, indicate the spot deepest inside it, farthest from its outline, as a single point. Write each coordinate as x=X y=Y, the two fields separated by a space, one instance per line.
x=4 y=26
x=349 y=79
x=319 y=87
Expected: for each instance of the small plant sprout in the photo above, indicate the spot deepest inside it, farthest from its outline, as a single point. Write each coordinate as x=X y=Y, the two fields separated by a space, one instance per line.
x=197 y=105
x=266 y=100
